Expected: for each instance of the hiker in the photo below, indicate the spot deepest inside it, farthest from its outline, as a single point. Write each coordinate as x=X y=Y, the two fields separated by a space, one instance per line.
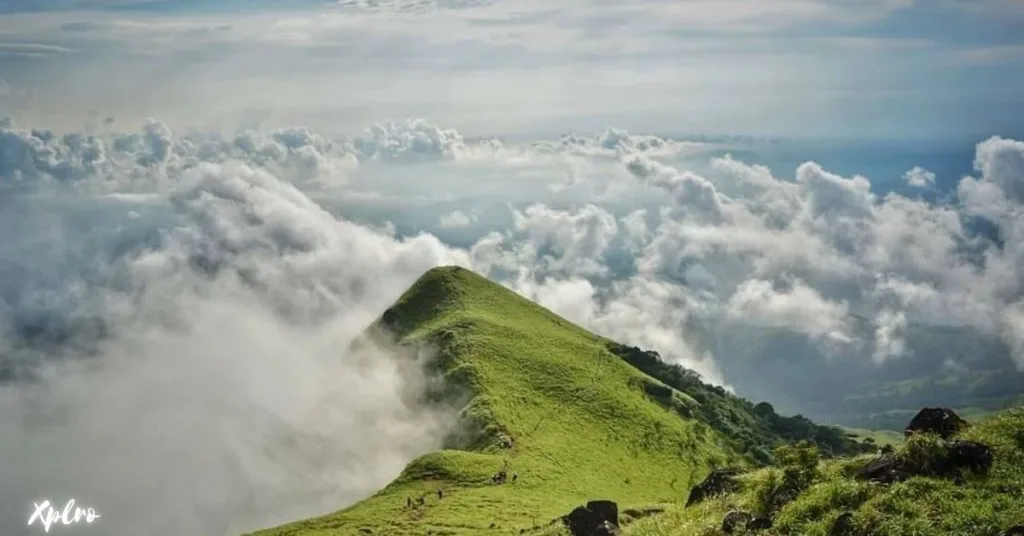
x=440 y=494
x=422 y=500
x=515 y=477
x=408 y=502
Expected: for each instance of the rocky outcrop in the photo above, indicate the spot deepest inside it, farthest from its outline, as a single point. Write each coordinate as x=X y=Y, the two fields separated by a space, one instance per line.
x=971 y=455
x=735 y=521
x=886 y=469
x=740 y=522
x=943 y=422
x=1016 y=530
x=597 y=518
x=719 y=482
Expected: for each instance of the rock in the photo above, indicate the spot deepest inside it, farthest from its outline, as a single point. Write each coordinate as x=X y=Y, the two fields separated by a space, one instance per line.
x=597 y=518
x=887 y=469
x=759 y=523
x=719 y=482
x=607 y=529
x=842 y=526
x=735 y=520
x=940 y=421
x=782 y=497
x=970 y=455
x=606 y=510
x=1016 y=530
x=886 y=449
x=582 y=522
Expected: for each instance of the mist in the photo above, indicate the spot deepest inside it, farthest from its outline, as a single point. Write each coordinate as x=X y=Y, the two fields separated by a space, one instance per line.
x=200 y=380
x=176 y=309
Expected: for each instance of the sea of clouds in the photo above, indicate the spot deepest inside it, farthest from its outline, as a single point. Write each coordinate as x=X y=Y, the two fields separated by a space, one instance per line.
x=176 y=307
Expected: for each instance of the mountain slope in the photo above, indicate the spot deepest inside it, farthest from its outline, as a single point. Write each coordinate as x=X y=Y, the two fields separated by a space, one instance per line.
x=549 y=401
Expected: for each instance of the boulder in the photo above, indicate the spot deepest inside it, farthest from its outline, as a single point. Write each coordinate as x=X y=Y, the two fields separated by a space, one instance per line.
x=759 y=523
x=582 y=522
x=607 y=529
x=597 y=518
x=719 y=482
x=887 y=469
x=1016 y=530
x=781 y=497
x=735 y=520
x=940 y=421
x=971 y=455
x=606 y=510
x=842 y=526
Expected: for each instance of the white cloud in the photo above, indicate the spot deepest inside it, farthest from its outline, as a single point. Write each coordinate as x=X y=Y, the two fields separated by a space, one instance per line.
x=799 y=308
x=457 y=218
x=919 y=177
x=233 y=264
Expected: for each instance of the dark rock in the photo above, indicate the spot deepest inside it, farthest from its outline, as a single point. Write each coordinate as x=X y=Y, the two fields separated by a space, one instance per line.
x=735 y=520
x=886 y=449
x=970 y=455
x=719 y=482
x=781 y=497
x=1016 y=530
x=606 y=510
x=940 y=421
x=607 y=529
x=581 y=521
x=759 y=523
x=842 y=526
x=887 y=469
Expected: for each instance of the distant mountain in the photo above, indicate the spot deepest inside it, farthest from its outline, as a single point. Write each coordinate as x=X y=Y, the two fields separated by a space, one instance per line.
x=952 y=366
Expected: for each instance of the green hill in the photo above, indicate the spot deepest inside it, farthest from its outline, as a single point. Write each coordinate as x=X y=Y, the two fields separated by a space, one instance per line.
x=575 y=416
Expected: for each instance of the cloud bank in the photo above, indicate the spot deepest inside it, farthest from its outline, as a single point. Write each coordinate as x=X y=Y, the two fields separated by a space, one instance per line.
x=175 y=309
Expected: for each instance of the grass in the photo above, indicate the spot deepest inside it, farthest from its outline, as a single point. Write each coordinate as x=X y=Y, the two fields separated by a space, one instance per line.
x=982 y=506
x=583 y=424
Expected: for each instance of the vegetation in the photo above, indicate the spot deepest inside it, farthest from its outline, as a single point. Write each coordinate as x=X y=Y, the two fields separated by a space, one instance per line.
x=753 y=429
x=979 y=505
x=576 y=417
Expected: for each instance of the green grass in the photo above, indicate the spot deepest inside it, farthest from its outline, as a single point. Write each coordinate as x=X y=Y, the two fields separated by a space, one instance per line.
x=584 y=426
x=982 y=506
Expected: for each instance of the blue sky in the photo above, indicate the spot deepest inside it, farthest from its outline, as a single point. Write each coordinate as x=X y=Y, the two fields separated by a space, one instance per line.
x=872 y=68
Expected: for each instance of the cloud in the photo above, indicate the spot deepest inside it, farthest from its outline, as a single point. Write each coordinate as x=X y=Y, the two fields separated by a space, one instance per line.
x=203 y=287
x=213 y=378
x=457 y=219
x=32 y=49
x=919 y=177
x=798 y=308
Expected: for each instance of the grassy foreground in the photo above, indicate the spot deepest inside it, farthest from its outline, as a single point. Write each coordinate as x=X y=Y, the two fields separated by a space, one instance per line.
x=921 y=506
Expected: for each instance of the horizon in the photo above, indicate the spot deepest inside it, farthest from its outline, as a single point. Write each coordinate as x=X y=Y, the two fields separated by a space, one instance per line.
x=882 y=69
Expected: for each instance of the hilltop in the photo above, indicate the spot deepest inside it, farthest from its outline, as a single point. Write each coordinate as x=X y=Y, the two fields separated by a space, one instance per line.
x=567 y=415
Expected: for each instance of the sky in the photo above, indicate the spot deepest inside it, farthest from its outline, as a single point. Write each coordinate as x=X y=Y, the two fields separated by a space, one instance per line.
x=872 y=68
x=204 y=204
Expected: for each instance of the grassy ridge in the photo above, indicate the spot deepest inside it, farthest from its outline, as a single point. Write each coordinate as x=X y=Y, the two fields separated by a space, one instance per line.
x=582 y=423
